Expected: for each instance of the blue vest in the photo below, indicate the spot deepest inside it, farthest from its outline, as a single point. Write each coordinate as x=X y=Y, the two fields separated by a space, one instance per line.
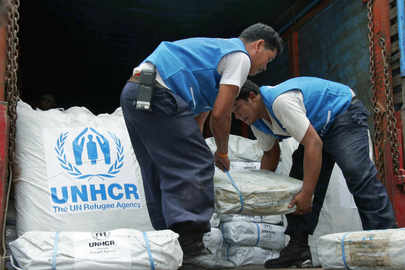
x=189 y=67
x=323 y=101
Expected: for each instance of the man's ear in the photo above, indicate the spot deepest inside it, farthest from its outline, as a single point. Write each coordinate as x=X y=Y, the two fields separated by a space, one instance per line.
x=259 y=44
x=252 y=95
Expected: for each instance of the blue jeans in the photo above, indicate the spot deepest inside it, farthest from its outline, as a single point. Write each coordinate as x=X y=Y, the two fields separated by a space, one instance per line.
x=346 y=143
x=176 y=164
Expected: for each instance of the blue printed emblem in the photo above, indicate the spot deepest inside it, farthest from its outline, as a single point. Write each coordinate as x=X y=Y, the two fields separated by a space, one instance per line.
x=89 y=145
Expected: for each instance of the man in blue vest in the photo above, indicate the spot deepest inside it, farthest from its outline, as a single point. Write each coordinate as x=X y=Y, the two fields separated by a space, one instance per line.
x=330 y=124
x=190 y=77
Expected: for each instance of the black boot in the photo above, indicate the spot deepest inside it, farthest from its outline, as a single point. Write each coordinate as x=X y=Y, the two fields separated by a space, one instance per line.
x=296 y=253
x=190 y=239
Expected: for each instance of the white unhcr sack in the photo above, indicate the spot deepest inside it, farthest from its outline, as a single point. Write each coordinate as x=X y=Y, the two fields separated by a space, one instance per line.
x=262 y=235
x=75 y=169
x=363 y=250
x=254 y=192
x=122 y=249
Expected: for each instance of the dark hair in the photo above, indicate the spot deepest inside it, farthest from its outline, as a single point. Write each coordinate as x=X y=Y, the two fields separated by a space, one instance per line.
x=248 y=87
x=258 y=31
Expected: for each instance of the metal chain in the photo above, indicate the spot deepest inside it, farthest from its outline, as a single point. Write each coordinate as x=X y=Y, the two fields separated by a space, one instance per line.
x=389 y=102
x=378 y=109
x=12 y=93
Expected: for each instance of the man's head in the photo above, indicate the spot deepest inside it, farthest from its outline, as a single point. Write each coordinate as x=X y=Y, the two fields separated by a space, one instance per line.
x=248 y=106
x=263 y=45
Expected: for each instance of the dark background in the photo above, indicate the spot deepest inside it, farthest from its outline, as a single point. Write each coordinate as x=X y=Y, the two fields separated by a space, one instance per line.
x=83 y=51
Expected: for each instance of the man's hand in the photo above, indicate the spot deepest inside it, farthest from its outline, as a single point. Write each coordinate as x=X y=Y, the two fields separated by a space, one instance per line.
x=303 y=203
x=222 y=161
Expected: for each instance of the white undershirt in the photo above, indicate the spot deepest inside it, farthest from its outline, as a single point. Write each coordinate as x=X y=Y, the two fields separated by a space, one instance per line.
x=233 y=68
x=290 y=111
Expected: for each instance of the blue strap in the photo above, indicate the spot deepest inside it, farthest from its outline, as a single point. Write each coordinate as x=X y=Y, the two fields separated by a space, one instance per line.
x=151 y=262
x=343 y=251
x=258 y=234
x=55 y=250
x=237 y=189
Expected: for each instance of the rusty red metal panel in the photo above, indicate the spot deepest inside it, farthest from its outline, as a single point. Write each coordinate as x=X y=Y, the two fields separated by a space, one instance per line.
x=3 y=60
x=398 y=190
x=3 y=157
x=381 y=19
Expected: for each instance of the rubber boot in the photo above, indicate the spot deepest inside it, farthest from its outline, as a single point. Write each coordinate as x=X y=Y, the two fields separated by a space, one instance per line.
x=296 y=253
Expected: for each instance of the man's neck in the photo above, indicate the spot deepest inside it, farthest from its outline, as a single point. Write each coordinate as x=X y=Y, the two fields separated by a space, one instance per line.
x=264 y=114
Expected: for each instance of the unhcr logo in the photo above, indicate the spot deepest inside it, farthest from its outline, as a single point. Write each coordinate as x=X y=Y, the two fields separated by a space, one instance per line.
x=101 y=239
x=90 y=148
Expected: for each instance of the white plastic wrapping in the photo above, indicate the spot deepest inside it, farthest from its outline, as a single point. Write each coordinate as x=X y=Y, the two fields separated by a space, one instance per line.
x=254 y=192
x=363 y=250
x=241 y=256
x=262 y=235
x=122 y=249
x=274 y=219
x=215 y=259
x=75 y=169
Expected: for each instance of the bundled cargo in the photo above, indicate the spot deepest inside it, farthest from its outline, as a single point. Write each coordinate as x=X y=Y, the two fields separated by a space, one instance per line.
x=254 y=192
x=274 y=219
x=122 y=249
x=262 y=235
x=215 y=259
x=363 y=250
x=241 y=256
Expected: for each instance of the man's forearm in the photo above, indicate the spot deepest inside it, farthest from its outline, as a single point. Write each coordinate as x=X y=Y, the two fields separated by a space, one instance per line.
x=271 y=158
x=312 y=167
x=220 y=127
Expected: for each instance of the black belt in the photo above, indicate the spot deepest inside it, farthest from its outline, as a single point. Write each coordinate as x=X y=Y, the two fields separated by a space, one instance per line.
x=135 y=78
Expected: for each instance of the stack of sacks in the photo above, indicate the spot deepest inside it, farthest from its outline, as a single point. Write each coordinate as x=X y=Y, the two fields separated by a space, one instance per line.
x=238 y=240
x=252 y=239
x=363 y=250
x=245 y=154
x=123 y=249
x=77 y=175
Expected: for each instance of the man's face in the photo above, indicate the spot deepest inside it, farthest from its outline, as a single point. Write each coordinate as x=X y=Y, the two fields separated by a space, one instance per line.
x=244 y=111
x=261 y=58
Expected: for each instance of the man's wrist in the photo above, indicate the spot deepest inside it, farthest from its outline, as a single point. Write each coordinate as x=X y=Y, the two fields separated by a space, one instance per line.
x=222 y=155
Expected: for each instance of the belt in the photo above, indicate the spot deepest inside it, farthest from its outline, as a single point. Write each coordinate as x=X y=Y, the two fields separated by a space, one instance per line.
x=135 y=79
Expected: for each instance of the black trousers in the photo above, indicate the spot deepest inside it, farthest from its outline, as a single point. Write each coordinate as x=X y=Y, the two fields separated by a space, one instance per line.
x=346 y=143
x=176 y=164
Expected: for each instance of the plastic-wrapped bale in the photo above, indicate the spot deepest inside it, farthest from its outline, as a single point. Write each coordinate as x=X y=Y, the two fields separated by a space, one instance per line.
x=254 y=192
x=214 y=243
x=274 y=219
x=122 y=249
x=364 y=250
x=262 y=235
x=241 y=256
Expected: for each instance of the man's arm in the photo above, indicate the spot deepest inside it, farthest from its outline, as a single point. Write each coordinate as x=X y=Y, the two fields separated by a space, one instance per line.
x=201 y=119
x=220 y=123
x=271 y=158
x=312 y=167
